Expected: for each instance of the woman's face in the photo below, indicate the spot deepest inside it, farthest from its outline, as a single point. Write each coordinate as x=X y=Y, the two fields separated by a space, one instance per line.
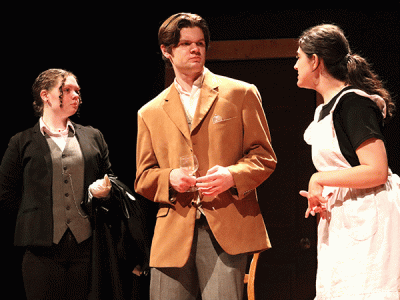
x=305 y=68
x=70 y=98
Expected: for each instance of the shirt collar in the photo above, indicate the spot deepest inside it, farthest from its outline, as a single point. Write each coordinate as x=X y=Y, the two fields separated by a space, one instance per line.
x=45 y=129
x=197 y=83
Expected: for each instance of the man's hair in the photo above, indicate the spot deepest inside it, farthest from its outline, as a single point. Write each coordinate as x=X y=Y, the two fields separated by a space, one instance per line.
x=169 y=33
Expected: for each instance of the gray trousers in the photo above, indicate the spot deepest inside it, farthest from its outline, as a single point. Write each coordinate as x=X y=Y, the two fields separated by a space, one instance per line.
x=209 y=271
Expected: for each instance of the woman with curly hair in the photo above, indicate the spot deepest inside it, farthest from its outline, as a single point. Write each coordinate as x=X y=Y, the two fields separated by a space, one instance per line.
x=45 y=174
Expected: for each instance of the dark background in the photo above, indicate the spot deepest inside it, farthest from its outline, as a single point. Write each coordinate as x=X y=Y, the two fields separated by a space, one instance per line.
x=114 y=53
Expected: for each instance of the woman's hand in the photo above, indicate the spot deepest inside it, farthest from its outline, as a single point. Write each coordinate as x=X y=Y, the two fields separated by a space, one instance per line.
x=101 y=188
x=316 y=202
x=372 y=171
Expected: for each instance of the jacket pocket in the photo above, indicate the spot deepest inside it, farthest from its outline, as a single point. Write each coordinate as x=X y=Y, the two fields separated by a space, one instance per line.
x=217 y=119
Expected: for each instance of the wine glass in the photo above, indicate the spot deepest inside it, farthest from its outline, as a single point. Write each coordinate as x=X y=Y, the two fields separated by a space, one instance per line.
x=189 y=165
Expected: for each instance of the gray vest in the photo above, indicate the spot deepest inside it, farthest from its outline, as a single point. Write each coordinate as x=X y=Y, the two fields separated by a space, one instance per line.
x=67 y=189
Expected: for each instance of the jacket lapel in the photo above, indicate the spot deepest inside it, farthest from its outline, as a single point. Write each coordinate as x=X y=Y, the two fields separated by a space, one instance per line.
x=87 y=148
x=174 y=109
x=83 y=140
x=208 y=94
x=44 y=146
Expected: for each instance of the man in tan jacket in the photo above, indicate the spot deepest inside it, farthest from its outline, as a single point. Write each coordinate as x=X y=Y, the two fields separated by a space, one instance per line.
x=202 y=238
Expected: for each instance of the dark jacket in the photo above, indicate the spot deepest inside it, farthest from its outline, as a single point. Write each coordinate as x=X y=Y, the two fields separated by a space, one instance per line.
x=120 y=243
x=119 y=234
x=26 y=180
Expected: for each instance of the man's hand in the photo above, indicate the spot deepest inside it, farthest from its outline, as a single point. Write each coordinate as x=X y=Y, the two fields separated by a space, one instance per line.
x=217 y=180
x=180 y=181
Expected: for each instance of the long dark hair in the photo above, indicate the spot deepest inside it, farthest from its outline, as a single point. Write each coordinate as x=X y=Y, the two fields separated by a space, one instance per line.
x=329 y=43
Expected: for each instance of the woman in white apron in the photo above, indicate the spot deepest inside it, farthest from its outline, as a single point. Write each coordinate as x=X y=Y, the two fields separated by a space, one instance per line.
x=355 y=192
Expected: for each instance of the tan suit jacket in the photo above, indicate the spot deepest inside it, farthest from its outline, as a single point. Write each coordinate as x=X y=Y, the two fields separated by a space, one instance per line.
x=229 y=129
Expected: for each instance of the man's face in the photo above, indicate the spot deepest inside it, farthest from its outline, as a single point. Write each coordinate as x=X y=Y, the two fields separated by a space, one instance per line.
x=189 y=55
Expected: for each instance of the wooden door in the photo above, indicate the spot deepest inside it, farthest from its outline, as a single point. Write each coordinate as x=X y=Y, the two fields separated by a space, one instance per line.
x=287 y=271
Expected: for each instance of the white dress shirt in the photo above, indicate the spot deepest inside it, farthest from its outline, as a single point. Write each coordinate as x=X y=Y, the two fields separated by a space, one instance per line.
x=60 y=137
x=189 y=102
x=190 y=99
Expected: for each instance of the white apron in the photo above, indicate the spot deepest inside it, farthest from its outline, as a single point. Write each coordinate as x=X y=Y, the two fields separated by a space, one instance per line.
x=359 y=242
